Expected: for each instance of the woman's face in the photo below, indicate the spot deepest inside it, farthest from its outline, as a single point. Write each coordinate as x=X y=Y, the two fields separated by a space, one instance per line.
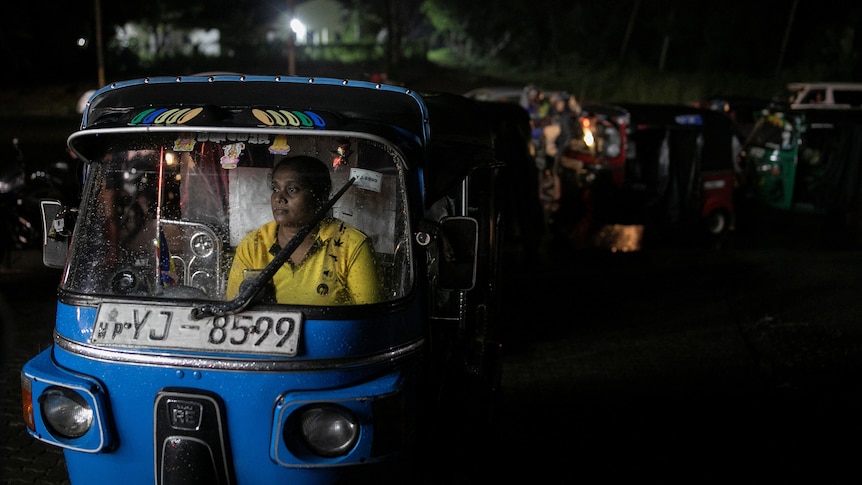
x=292 y=203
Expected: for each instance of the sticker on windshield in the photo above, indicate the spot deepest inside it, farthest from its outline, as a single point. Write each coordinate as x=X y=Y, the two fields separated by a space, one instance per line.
x=279 y=146
x=184 y=143
x=341 y=155
x=366 y=179
x=232 y=151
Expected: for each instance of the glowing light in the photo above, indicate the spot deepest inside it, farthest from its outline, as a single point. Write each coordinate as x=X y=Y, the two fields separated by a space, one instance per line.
x=620 y=238
x=299 y=29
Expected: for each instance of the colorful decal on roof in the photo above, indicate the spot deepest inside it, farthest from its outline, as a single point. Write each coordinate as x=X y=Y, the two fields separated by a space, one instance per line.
x=165 y=116
x=202 y=116
x=232 y=152
x=279 y=145
x=294 y=118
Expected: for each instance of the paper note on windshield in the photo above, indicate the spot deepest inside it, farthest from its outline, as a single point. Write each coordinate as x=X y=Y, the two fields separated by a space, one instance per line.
x=366 y=179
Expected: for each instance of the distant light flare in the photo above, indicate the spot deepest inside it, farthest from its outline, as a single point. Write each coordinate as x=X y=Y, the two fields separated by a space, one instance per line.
x=299 y=29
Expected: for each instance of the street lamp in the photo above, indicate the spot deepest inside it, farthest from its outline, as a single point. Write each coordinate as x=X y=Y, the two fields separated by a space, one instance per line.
x=291 y=42
x=100 y=59
x=299 y=30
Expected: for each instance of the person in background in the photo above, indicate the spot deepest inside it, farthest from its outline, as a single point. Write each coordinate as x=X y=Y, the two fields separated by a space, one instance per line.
x=564 y=111
x=333 y=265
x=539 y=108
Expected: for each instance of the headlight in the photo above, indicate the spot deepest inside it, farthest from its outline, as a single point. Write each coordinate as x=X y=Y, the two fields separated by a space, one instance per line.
x=328 y=430
x=66 y=412
x=772 y=168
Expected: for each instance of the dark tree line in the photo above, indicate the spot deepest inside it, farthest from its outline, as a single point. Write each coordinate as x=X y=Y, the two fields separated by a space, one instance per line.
x=739 y=35
x=752 y=37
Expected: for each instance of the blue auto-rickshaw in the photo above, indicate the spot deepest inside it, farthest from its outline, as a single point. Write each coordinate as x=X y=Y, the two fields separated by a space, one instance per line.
x=154 y=376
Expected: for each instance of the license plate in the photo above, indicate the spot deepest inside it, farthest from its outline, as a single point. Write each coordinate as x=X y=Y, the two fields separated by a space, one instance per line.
x=129 y=325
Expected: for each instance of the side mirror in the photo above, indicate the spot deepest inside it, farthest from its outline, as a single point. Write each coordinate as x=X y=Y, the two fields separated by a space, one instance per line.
x=57 y=225
x=458 y=253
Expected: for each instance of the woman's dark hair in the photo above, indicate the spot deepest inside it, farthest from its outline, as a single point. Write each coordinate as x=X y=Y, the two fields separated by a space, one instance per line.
x=313 y=175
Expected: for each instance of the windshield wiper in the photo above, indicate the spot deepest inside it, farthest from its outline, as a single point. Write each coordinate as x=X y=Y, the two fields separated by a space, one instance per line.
x=249 y=291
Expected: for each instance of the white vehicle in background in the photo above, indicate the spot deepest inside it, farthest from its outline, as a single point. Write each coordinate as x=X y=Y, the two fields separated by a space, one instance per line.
x=824 y=95
x=511 y=94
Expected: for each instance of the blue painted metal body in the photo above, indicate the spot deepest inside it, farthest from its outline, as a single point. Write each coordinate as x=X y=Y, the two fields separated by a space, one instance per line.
x=180 y=415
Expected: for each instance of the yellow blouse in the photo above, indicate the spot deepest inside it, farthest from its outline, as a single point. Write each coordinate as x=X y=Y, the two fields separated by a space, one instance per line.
x=339 y=269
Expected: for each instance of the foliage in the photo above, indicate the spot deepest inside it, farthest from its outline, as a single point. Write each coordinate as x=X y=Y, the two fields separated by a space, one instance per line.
x=671 y=35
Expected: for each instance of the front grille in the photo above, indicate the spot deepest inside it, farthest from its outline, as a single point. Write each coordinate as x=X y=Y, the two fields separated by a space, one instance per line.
x=191 y=443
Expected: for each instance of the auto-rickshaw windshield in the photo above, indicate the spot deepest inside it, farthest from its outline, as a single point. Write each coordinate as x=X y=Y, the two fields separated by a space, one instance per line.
x=167 y=211
x=771 y=131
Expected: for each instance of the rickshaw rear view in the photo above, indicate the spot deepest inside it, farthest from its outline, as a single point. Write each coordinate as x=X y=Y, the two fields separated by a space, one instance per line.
x=682 y=165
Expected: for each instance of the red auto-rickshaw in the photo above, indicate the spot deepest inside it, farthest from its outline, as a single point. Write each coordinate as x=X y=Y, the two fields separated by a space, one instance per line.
x=590 y=173
x=682 y=163
x=651 y=171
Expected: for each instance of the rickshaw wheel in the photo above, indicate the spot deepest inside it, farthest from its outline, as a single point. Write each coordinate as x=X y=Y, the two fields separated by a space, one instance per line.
x=716 y=222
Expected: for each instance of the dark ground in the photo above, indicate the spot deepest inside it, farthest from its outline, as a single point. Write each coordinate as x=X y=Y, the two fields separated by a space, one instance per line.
x=672 y=366
x=686 y=366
